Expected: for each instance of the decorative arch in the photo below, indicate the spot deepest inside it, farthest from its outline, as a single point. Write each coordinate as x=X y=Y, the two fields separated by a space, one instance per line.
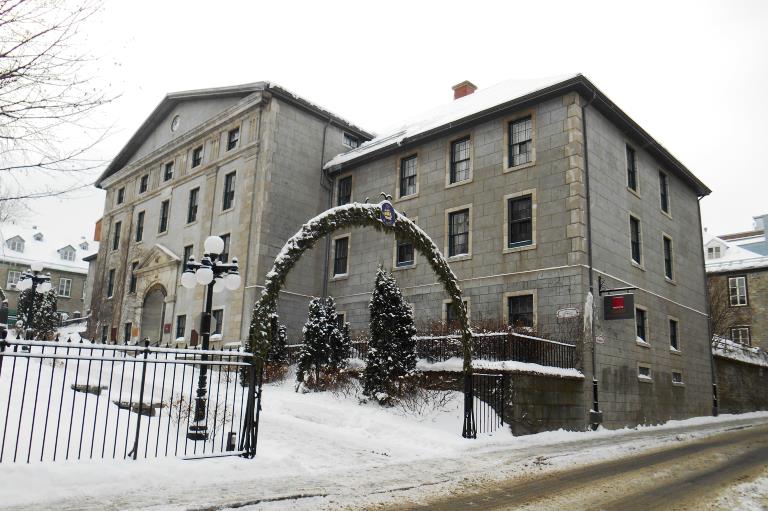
x=361 y=215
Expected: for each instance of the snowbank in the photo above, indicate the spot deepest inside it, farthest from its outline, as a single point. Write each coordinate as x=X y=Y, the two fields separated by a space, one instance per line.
x=727 y=348
x=456 y=364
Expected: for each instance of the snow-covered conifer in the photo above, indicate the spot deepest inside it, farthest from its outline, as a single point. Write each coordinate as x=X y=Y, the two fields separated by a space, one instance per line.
x=391 y=348
x=38 y=312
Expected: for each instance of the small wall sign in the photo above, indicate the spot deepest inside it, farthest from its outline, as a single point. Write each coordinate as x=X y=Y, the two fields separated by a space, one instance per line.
x=167 y=328
x=388 y=213
x=567 y=312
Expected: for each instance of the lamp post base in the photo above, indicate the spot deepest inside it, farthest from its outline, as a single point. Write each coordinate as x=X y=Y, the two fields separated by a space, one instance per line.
x=198 y=431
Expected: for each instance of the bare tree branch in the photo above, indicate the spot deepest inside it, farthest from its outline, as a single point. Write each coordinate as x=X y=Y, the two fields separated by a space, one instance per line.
x=46 y=98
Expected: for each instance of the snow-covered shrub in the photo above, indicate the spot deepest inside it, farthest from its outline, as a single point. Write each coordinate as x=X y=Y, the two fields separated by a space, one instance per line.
x=392 y=348
x=38 y=312
x=276 y=366
x=326 y=344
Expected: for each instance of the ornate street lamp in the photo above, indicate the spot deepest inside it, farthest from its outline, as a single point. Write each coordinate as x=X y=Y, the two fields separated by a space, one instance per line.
x=34 y=279
x=216 y=276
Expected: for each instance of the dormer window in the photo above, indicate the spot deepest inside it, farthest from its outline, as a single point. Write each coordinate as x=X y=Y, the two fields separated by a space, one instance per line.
x=67 y=253
x=84 y=245
x=38 y=236
x=16 y=244
x=350 y=140
x=713 y=253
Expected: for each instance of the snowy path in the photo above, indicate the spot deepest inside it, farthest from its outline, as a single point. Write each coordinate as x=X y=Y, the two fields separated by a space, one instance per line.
x=326 y=452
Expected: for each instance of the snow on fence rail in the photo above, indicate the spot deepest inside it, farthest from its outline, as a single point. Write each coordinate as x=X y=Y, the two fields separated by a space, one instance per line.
x=65 y=400
x=727 y=348
x=496 y=346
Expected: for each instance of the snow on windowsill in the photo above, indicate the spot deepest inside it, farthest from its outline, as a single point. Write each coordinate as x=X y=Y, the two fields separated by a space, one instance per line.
x=644 y=378
x=641 y=342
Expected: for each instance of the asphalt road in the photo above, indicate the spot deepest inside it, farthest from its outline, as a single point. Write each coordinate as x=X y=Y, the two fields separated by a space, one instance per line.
x=685 y=477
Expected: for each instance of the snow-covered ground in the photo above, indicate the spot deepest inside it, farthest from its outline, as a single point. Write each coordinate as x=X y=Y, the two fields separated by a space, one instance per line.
x=324 y=451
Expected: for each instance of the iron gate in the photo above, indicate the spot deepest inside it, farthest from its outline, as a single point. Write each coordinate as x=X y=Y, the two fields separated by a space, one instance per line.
x=64 y=400
x=488 y=395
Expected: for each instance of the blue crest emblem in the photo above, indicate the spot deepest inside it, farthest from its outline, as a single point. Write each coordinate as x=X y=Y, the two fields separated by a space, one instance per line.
x=388 y=213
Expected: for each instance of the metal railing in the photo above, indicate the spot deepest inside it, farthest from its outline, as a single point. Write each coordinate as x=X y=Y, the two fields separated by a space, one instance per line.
x=65 y=400
x=488 y=394
x=501 y=346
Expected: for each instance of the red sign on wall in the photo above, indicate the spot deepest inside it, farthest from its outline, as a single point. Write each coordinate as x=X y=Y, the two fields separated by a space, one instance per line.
x=167 y=328
x=619 y=306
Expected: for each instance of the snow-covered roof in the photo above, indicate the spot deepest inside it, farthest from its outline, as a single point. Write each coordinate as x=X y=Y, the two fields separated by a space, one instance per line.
x=487 y=103
x=733 y=257
x=169 y=102
x=48 y=250
x=479 y=101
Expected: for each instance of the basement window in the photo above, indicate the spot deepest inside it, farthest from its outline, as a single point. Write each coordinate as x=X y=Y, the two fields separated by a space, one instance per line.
x=644 y=373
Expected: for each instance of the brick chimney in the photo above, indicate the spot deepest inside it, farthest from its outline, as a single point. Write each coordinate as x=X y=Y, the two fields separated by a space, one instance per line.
x=464 y=88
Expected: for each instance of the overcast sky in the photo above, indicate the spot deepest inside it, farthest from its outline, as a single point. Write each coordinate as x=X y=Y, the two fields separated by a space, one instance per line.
x=693 y=74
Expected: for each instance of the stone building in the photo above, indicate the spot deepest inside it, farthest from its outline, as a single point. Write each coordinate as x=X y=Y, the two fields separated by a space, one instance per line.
x=536 y=192
x=737 y=270
x=61 y=256
x=242 y=162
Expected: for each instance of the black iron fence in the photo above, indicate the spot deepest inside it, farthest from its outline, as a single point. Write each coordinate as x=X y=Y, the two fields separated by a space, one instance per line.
x=500 y=346
x=489 y=400
x=64 y=400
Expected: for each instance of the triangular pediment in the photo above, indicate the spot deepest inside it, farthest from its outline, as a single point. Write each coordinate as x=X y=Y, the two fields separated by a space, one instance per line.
x=159 y=256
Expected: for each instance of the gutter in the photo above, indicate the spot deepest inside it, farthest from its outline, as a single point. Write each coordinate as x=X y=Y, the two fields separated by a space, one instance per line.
x=715 y=404
x=326 y=182
x=595 y=415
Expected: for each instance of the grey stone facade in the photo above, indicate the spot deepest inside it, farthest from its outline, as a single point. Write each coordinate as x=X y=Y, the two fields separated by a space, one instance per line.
x=277 y=160
x=554 y=268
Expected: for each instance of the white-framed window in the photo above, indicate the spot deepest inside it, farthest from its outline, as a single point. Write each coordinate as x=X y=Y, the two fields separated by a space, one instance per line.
x=120 y=196
x=520 y=139
x=519 y=309
x=664 y=192
x=168 y=171
x=16 y=244
x=644 y=373
x=635 y=240
x=233 y=137
x=713 y=253
x=631 y=168
x=65 y=287
x=737 y=289
x=13 y=279
x=667 y=249
x=677 y=377
x=341 y=255
x=519 y=229
x=451 y=313
x=741 y=334
x=458 y=231
x=641 y=326
x=460 y=160
x=217 y=321
x=344 y=190
x=67 y=254
x=674 y=334
x=350 y=140
x=407 y=183
x=197 y=156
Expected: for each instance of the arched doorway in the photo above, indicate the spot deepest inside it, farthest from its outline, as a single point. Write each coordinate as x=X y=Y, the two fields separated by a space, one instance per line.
x=381 y=217
x=153 y=314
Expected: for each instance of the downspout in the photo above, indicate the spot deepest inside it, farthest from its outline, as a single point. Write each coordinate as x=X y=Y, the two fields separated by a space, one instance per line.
x=595 y=416
x=715 y=405
x=326 y=182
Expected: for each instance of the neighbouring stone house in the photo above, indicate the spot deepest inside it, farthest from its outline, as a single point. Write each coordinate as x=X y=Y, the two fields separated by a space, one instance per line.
x=61 y=257
x=535 y=190
x=737 y=271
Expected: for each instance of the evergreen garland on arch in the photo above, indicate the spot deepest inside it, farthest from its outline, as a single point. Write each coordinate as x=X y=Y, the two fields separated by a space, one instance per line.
x=350 y=215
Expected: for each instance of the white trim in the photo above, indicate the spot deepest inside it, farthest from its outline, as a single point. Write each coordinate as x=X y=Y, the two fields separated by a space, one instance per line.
x=395 y=267
x=641 y=263
x=447 y=228
x=398 y=197
x=444 y=312
x=505 y=305
x=680 y=383
x=340 y=276
x=664 y=236
x=645 y=379
x=672 y=349
x=646 y=327
x=668 y=213
x=505 y=226
x=448 y=158
x=505 y=140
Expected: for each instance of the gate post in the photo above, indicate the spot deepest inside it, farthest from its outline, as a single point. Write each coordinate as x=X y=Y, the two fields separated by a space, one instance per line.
x=135 y=451
x=469 y=429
